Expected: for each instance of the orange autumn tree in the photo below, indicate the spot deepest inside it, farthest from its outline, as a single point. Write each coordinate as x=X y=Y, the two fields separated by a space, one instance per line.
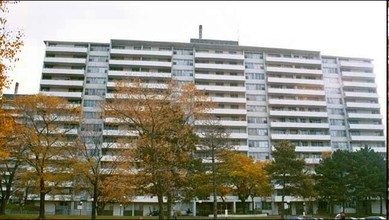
x=161 y=117
x=11 y=161
x=247 y=177
x=10 y=45
x=48 y=122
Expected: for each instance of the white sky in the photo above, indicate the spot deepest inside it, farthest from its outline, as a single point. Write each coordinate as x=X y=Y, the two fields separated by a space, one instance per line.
x=353 y=28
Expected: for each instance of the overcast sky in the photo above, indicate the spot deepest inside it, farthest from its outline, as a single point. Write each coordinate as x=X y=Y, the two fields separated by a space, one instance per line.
x=353 y=28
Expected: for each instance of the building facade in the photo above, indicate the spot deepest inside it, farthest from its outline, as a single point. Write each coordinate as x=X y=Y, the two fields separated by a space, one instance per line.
x=320 y=103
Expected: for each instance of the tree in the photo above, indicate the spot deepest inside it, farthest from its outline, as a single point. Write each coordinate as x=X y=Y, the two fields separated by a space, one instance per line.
x=214 y=139
x=248 y=177
x=10 y=45
x=286 y=170
x=102 y=183
x=48 y=121
x=162 y=119
x=10 y=161
x=352 y=176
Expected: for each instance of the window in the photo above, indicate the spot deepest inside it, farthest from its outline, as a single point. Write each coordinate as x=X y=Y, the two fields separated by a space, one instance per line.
x=256 y=108
x=255 y=143
x=334 y=101
x=98 y=58
x=257 y=131
x=328 y=60
x=338 y=133
x=338 y=122
x=332 y=90
x=90 y=103
x=340 y=145
x=91 y=115
x=95 y=80
x=260 y=76
x=251 y=55
x=253 y=66
x=183 y=52
x=254 y=86
x=336 y=111
x=91 y=127
x=183 y=62
x=259 y=156
x=256 y=120
x=255 y=98
x=95 y=69
x=94 y=91
x=99 y=48
x=329 y=70
x=186 y=73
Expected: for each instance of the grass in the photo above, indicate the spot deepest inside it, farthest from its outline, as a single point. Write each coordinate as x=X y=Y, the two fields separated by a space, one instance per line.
x=29 y=216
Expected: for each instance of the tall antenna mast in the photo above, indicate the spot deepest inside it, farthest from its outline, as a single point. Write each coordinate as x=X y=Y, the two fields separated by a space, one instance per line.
x=200 y=31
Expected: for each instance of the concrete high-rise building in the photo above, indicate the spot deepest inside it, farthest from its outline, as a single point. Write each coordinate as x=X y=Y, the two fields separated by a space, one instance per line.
x=319 y=102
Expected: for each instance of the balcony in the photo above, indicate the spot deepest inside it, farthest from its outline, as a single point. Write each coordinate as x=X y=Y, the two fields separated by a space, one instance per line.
x=294 y=81
x=288 y=60
x=356 y=64
x=361 y=94
x=300 y=137
x=298 y=125
x=61 y=82
x=64 y=60
x=222 y=122
x=220 y=56
x=299 y=114
x=70 y=49
x=221 y=88
x=296 y=102
x=232 y=135
x=297 y=91
x=241 y=148
x=313 y=149
x=73 y=72
x=351 y=74
x=147 y=85
x=363 y=105
x=226 y=111
x=366 y=127
x=271 y=69
x=63 y=94
x=365 y=115
x=228 y=100
x=138 y=74
x=155 y=53
x=359 y=84
x=140 y=63
x=312 y=160
x=213 y=66
x=119 y=133
x=367 y=138
x=219 y=77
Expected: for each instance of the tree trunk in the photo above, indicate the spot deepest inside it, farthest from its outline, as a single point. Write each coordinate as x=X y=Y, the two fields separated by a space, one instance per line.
x=282 y=206
x=160 y=206
x=252 y=204
x=2 y=206
x=169 y=206
x=214 y=185
x=42 y=199
x=94 y=202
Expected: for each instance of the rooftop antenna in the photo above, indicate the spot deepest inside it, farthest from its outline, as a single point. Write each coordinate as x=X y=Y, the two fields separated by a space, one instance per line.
x=200 y=31
x=16 y=88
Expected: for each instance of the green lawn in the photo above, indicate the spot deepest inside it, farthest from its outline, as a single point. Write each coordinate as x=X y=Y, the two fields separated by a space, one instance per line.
x=26 y=216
